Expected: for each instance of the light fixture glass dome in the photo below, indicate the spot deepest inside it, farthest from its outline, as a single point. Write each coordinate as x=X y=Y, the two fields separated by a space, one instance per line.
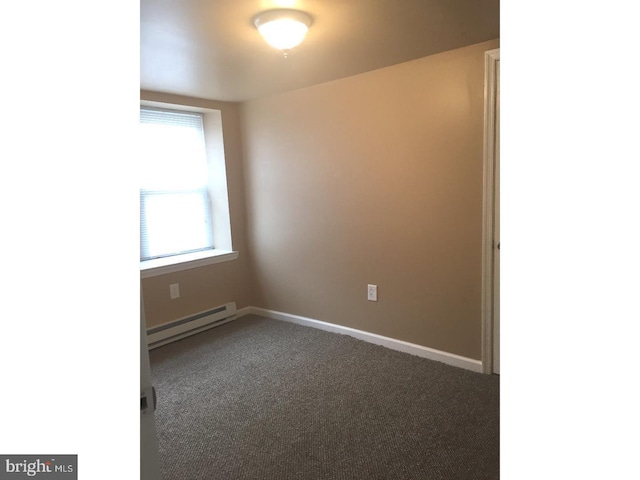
x=283 y=28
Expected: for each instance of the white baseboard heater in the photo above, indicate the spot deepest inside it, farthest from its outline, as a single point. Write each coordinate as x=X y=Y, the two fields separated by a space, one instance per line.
x=172 y=331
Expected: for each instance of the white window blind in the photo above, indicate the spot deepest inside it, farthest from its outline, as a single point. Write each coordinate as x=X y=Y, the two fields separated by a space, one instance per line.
x=175 y=208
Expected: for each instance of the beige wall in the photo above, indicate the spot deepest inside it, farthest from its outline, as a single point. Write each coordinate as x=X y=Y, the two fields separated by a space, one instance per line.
x=375 y=178
x=211 y=286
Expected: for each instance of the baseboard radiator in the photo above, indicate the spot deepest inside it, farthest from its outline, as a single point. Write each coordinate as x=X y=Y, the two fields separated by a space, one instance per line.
x=172 y=331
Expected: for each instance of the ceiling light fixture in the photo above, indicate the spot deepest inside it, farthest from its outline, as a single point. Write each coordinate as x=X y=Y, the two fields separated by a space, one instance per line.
x=283 y=28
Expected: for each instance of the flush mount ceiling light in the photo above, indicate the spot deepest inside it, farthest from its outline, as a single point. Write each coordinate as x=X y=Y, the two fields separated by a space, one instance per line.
x=283 y=28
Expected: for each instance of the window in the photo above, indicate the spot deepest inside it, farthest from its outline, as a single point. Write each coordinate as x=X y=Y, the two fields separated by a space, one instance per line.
x=175 y=208
x=184 y=210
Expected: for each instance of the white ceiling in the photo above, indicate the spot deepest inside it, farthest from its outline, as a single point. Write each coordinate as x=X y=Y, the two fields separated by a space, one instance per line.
x=210 y=48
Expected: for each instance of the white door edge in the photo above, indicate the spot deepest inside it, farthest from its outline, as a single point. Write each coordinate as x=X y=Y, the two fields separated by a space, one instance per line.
x=492 y=57
x=149 y=454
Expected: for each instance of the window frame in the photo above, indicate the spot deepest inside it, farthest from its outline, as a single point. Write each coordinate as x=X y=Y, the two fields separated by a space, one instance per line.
x=218 y=198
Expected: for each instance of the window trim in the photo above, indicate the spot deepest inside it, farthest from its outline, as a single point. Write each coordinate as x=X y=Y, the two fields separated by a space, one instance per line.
x=177 y=263
x=219 y=198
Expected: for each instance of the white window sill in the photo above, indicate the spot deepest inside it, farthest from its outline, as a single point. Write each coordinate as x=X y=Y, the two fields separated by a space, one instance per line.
x=162 y=266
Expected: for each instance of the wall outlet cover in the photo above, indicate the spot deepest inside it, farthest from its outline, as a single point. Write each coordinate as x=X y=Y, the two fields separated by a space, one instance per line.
x=372 y=293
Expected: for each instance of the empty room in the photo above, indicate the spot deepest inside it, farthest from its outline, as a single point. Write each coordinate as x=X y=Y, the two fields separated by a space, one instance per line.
x=319 y=225
x=290 y=248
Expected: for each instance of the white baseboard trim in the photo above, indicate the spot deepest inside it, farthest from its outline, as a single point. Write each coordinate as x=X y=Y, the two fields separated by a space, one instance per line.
x=399 y=345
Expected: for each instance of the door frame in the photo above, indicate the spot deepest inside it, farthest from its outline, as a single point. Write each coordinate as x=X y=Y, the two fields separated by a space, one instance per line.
x=149 y=449
x=491 y=59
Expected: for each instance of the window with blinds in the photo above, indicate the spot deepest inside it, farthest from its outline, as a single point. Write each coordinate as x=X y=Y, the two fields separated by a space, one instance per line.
x=175 y=207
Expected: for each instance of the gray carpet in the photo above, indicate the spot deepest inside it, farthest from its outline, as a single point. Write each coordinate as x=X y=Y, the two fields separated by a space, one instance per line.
x=264 y=399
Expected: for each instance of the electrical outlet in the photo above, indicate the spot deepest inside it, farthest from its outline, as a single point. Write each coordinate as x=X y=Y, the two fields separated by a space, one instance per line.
x=174 y=291
x=372 y=293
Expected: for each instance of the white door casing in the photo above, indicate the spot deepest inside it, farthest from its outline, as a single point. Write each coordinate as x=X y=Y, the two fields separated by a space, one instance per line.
x=149 y=461
x=491 y=217
x=496 y=232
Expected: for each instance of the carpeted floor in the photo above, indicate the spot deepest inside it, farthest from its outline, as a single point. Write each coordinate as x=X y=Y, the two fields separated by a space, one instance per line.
x=264 y=399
